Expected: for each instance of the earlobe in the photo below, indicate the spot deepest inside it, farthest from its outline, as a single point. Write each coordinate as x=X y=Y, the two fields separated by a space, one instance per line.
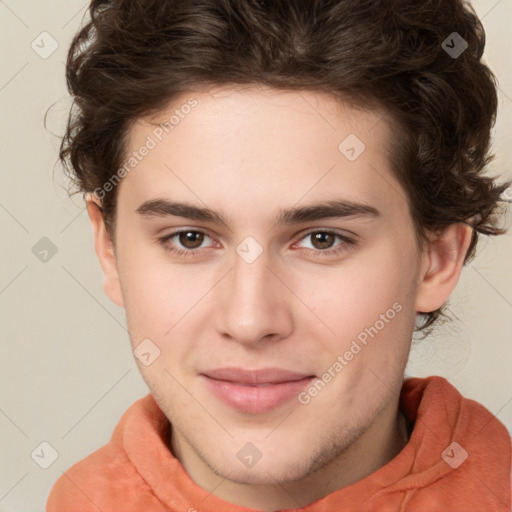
x=442 y=267
x=104 y=247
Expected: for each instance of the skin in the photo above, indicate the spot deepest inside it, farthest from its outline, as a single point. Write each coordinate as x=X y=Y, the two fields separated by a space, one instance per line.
x=247 y=153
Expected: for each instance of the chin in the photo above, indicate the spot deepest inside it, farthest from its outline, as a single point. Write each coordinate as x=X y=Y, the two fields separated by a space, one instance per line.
x=269 y=470
x=266 y=474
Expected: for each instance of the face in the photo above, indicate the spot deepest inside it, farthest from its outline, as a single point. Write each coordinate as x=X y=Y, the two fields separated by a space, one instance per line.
x=277 y=331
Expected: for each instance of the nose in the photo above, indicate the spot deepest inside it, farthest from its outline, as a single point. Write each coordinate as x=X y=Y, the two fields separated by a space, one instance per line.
x=256 y=305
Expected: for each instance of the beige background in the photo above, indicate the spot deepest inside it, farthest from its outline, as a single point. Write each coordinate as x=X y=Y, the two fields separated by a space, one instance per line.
x=66 y=370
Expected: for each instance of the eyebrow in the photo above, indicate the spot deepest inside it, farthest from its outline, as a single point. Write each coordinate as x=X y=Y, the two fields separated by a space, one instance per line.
x=330 y=209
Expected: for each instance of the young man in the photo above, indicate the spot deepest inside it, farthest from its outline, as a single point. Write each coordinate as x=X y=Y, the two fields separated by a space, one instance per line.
x=278 y=191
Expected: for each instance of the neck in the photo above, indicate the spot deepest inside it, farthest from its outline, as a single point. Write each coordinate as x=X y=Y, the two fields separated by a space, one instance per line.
x=377 y=446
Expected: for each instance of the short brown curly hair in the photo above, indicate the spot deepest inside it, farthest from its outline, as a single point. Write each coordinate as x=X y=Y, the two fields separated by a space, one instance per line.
x=133 y=57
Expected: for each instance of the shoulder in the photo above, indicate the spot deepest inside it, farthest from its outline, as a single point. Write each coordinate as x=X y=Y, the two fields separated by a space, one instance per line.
x=94 y=482
x=474 y=447
x=106 y=479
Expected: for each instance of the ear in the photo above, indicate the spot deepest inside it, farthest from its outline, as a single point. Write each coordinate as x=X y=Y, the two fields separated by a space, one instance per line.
x=105 y=251
x=442 y=265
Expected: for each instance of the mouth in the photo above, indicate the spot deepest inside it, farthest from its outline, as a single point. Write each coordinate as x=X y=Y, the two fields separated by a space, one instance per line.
x=255 y=391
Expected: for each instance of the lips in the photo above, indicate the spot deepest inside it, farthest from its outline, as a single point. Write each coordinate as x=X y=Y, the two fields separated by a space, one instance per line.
x=254 y=377
x=255 y=391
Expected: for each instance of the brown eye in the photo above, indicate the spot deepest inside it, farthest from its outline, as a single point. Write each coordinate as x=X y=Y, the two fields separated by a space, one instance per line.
x=326 y=243
x=322 y=240
x=191 y=239
x=187 y=243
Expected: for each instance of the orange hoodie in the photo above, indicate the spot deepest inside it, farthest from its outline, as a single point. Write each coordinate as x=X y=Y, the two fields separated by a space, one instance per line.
x=458 y=459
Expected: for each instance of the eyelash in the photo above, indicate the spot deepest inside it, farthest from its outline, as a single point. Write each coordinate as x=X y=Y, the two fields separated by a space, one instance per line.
x=192 y=253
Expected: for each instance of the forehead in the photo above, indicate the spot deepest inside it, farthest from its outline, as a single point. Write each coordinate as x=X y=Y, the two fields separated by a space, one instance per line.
x=262 y=145
x=261 y=114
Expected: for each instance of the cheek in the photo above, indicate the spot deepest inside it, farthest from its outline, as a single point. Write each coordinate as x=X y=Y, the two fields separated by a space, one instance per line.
x=161 y=298
x=352 y=296
x=369 y=307
x=151 y=291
